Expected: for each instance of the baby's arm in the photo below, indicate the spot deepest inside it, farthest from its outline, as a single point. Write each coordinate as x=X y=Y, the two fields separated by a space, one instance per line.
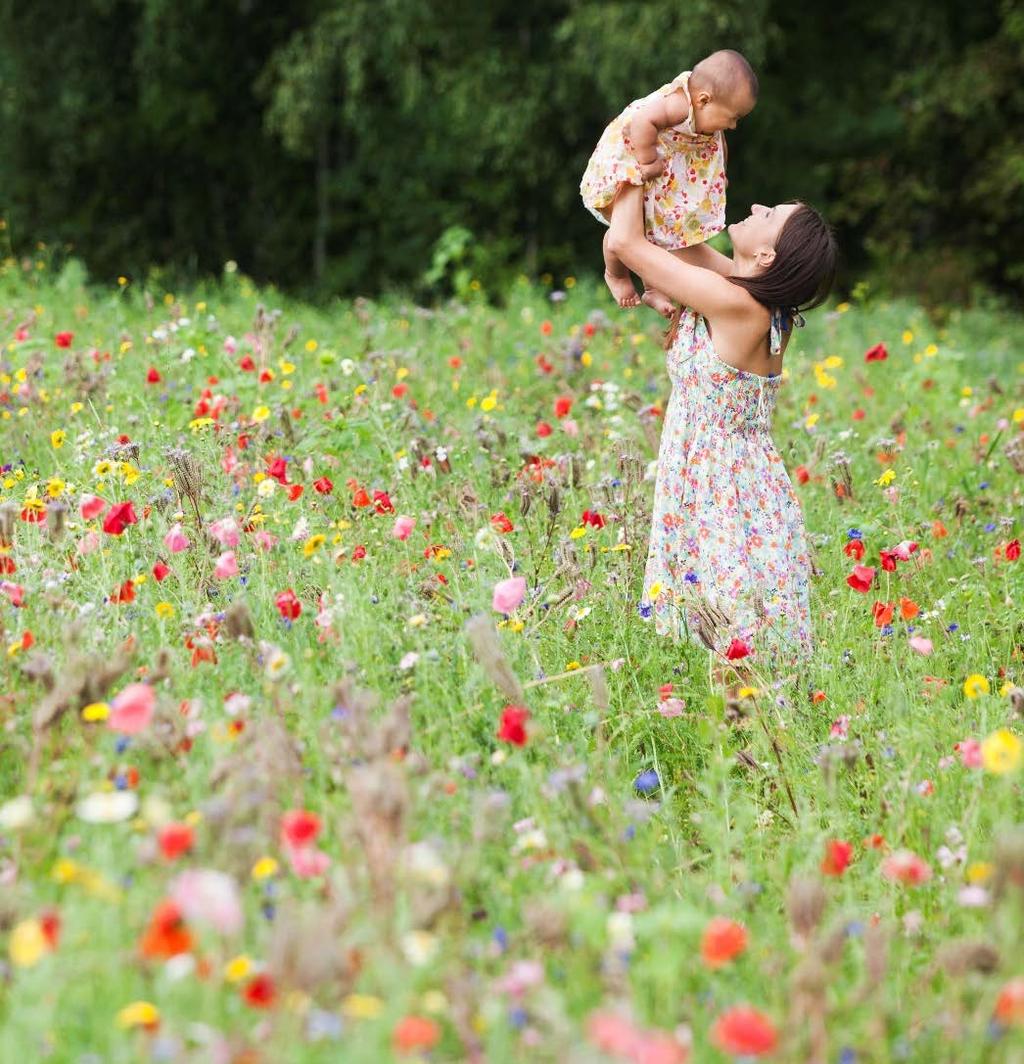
x=647 y=123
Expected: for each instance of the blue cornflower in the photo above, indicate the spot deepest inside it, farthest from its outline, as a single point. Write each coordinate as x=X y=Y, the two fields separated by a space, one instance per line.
x=647 y=782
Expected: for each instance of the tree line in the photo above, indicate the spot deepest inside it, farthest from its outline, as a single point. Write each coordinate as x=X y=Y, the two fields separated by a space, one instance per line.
x=354 y=145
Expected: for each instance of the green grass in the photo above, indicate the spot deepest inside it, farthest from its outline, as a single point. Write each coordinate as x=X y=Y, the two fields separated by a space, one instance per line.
x=718 y=837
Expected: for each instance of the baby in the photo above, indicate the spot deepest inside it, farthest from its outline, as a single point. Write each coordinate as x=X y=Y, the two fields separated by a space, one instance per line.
x=672 y=141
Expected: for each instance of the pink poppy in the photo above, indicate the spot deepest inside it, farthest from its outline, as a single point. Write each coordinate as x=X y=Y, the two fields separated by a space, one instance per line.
x=920 y=644
x=403 y=527
x=176 y=540
x=132 y=710
x=225 y=531
x=206 y=896
x=508 y=594
x=227 y=566
x=906 y=867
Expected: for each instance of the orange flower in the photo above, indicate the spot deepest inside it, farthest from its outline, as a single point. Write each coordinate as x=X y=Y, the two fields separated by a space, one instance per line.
x=166 y=935
x=723 y=940
x=909 y=609
x=414 y=1033
x=1010 y=1003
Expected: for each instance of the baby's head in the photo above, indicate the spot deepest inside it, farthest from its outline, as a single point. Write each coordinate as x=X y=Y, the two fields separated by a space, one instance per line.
x=723 y=89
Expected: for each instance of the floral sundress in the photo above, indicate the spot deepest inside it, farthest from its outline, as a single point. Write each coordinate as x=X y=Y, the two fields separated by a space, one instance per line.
x=686 y=204
x=728 y=557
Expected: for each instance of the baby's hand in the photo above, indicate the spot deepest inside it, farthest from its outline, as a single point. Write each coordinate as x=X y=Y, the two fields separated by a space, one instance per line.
x=649 y=171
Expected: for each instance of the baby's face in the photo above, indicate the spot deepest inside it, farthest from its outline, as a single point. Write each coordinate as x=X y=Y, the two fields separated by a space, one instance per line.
x=722 y=113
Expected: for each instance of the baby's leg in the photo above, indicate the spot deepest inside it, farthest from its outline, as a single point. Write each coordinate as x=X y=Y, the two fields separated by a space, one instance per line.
x=617 y=277
x=696 y=256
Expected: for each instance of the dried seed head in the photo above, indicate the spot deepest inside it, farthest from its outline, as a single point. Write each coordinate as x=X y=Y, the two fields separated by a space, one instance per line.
x=1016 y=696
x=56 y=520
x=805 y=902
x=8 y=515
x=554 y=501
x=959 y=958
x=238 y=621
x=483 y=637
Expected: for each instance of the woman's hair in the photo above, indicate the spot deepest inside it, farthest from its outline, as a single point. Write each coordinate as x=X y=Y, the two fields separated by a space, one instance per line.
x=801 y=274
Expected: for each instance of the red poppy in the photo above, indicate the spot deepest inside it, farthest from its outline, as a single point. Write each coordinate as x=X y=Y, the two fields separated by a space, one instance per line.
x=513 y=725
x=501 y=523
x=909 y=609
x=906 y=867
x=246 y=364
x=743 y=1031
x=414 y=1034
x=382 y=503
x=49 y=924
x=118 y=518
x=160 y=571
x=1010 y=1003
x=323 y=485
x=878 y=353
x=737 y=649
x=153 y=376
x=544 y=365
x=854 y=549
x=802 y=474
x=294 y=491
x=124 y=594
x=299 y=828
x=358 y=553
x=277 y=468
x=723 y=940
x=592 y=518
x=883 y=612
x=546 y=328
x=1013 y=550
x=288 y=604
x=260 y=992
x=861 y=578
x=166 y=935
x=63 y=339
x=888 y=559
x=360 y=498
x=837 y=857
x=175 y=840
x=563 y=404
x=544 y=429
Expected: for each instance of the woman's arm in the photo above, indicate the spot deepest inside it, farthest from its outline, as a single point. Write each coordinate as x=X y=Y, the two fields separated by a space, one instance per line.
x=707 y=292
x=705 y=256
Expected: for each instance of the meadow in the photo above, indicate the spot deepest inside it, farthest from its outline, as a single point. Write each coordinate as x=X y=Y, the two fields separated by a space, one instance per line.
x=332 y=729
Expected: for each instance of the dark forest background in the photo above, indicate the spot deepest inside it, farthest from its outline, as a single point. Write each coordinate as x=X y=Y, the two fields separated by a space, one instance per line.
x=342 y=146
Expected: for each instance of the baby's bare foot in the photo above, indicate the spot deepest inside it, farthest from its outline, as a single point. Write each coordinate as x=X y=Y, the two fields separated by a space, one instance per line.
x=622 y=289
x=658 y=301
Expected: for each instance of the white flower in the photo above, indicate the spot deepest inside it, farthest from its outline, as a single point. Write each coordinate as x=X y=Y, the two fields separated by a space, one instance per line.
x=16 y=813
x=425 y=865
x=419 y=947
x=347 y=366
x=108 y=807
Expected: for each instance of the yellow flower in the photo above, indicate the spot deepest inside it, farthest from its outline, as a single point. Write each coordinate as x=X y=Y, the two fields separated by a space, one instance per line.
x=313 y=544
x=285 y=367
x=811 y=420
x=77 y=407
x=572 y=666
x=54 y=487
x=57 y=438
x=586 y=358
x=886 y=478
x=489 y=402
x=931 y=351
x=578 y=532
x=1018 y=415
x=138 y=1014
x=261 y=413
x=842 y=308
x=164 y=610
x=122 y=281
x=362 y=1006
x=655 y=589
x=908 y=336
x=1001 y=752
x=102 y=468
x=979 y=871
x=237 y=968
x=832 y=362
x=28 y=944
x=401 y=373
x=264 y=868
x=95 y=711
x=311 y=346
x=975 y=686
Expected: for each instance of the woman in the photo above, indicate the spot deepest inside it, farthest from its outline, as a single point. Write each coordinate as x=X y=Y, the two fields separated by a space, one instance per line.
x=728 y=559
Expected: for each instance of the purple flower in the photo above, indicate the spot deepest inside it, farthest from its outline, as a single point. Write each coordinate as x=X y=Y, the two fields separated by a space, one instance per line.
x=647 y=782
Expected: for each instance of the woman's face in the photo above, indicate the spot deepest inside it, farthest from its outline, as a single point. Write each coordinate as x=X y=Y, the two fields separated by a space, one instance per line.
x=759 y=231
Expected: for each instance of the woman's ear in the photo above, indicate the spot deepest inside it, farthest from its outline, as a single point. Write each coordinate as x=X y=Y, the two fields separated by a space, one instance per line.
x=765 y=257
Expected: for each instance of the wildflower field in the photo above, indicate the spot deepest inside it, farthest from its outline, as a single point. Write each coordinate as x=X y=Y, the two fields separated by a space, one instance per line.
x=332 y=728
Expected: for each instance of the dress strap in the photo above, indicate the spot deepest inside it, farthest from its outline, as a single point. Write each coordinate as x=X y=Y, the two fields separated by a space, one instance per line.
x=783 y=319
